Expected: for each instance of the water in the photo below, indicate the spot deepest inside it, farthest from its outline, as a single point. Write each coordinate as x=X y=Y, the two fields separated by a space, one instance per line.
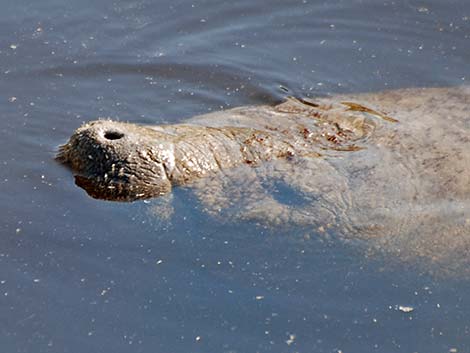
x=80 y=275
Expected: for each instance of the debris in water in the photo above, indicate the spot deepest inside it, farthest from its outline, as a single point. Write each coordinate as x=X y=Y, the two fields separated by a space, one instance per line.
x=291 y=339
x=405 y=309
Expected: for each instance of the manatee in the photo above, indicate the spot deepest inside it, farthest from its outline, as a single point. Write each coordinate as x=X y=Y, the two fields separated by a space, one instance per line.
x=391 y=169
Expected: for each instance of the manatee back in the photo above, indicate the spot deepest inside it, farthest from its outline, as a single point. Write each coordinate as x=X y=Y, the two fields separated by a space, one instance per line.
x=411 y=186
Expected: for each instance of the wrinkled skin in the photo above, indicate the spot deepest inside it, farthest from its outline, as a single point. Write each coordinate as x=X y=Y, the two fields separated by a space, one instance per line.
x=120 y=161
x=391 y=168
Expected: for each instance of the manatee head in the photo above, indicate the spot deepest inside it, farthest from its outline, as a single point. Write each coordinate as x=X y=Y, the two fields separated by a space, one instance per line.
x=120 y=161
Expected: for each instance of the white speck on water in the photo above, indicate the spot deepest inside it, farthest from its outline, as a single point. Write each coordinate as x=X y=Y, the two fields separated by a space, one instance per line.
x=13 y=46
x=291 y=339
x=405 y=309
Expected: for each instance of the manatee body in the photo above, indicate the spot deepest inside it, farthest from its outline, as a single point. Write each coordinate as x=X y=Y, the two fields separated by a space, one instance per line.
x=390 y=168
x=128 y=162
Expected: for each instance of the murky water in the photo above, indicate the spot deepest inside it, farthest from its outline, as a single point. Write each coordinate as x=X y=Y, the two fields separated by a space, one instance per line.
x=82 y=275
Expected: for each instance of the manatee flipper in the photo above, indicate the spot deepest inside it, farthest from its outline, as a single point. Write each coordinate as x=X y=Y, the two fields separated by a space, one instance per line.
x=229 y=195
x=278 y=192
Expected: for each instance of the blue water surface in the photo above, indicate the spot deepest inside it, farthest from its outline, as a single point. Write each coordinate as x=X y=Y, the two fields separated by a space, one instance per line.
x=83 y=275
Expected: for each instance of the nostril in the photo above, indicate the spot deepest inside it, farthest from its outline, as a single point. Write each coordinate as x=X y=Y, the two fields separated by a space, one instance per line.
x=113 y=135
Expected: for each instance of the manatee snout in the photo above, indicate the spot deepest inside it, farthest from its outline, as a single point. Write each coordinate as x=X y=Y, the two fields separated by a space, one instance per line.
x=116 y=161
x=94 y=148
